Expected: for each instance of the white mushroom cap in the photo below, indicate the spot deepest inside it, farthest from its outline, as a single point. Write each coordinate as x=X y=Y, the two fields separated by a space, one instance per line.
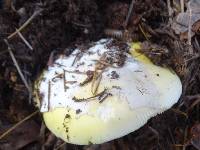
x=125 y=98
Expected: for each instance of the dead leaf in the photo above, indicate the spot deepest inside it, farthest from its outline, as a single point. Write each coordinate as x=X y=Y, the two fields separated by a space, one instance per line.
x=196 y=27
x=195 y=140
x=188 y=18
x=23 y=135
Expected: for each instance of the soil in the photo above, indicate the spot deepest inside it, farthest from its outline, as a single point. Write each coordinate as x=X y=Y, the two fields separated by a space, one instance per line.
x=62 y=25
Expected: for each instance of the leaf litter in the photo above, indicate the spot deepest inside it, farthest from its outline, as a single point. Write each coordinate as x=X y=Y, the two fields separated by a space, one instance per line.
x=168 y=30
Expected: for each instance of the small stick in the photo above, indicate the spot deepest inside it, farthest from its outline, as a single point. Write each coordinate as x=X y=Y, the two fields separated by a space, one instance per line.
x=171 y=135
x=129 y=14
x=24 y=40
x=18 y=124
x=170 y=11
x=76 y=72
x=42 y=132
x=190 y=30
x=59 y=76
x=89 y=78
x=49 y=95
x=64 y=81
x=190 y=25
x=35 y=14
x=30 y=92
x=180 y=112
x=97 y=78
x=51 y=59
x=81 y=25
x=182 y=5
x=77 y=57
x=70 y=82
x=105 y=63
x=90 y=98
x=60 y=146
x=143 y=32
x=104 y=96
x=18 y=68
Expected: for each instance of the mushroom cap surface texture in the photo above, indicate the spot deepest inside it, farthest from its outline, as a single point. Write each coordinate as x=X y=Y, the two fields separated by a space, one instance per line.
x=103 y=93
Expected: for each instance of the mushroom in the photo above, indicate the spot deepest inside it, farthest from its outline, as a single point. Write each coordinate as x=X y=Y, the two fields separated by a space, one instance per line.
x=103 y=93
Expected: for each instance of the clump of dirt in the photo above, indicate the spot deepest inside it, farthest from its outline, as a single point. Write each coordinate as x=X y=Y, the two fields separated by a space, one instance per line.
x=59 y=26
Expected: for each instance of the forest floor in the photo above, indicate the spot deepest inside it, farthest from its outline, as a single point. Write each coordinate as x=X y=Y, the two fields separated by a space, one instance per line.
x=30 y=31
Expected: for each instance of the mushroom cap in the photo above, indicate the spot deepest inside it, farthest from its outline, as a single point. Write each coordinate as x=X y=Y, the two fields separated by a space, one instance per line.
x=118 y=100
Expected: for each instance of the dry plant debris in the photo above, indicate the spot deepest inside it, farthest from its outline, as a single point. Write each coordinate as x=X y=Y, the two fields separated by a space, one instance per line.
x=65 y=23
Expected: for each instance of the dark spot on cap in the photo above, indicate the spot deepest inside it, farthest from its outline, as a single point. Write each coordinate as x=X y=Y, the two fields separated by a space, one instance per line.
x=114 y=75
x=116 y=87
x=67 y=116
x=66 y=129
x=90 y=143
x=78 y=111
x=68 y=137
x=43 y=79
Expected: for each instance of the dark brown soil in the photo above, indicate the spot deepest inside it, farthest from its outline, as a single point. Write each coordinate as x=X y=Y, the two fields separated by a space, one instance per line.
x=63 y=25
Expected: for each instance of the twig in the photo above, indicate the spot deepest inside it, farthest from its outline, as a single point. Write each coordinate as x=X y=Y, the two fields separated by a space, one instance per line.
x=81 y=25
x=96 y=77
x=58 y=76
x=185 y=137
x=180 y=112
x=105 y=63
x=64 y=80
x=190 y=97
x=182 y=5
x=189 y=26
x=171 y=135
x=60 y=146
x=12 y=6
x=178 y=145
x=30 y=92
x=99 y=95
x=24 y=40
x=49 y=95
x=89 y=78
x=190 y=30
x=143 y=32
x=76 y=72
x=18 y=68
x=104 y=96
x=18 y=124
x=129 y=14
x=42 y=133
x=170 y=11
x=51 y=59
x=49 y=141
x=194 y=57
x=36 y=13
x=77 y=57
